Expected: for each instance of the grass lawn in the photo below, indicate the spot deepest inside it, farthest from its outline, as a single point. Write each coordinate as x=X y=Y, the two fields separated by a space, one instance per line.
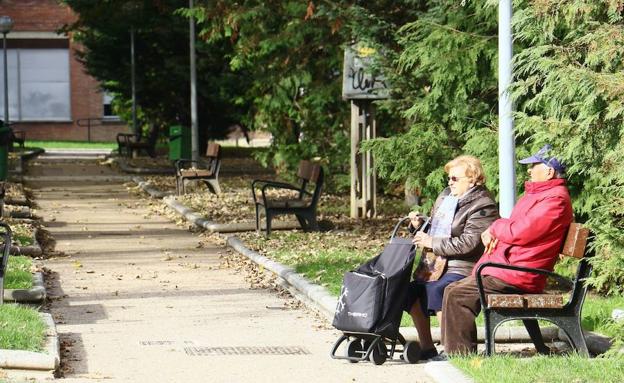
x=70 y=145
x=563 y=369
x=21 y=328
x=18 y=274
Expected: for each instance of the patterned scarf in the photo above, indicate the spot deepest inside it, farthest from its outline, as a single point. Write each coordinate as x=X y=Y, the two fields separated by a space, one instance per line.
x=442 y=220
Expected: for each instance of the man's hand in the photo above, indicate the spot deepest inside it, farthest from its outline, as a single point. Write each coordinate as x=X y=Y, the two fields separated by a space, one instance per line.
x=488 y=241
x=423 y=240
x=415 y=219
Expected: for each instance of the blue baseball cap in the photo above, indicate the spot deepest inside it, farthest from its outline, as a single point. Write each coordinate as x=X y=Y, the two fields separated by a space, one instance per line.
x=542 y=156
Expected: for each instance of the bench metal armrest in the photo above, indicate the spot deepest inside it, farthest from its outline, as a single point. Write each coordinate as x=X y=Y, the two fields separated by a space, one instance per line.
x=179 y=164
x=263 y=184
x=508 y=267
x=277 y=185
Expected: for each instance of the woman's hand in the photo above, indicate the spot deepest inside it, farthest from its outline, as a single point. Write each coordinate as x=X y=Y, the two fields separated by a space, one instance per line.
x=415 y=219
x=423 y=240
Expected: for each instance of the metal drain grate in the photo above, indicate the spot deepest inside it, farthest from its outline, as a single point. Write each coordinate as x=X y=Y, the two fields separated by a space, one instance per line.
x=163 y=342
x=278 y=350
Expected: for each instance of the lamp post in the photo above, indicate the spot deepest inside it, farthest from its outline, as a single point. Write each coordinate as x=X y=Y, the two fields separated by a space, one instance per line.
x=6 y=24
x=506 y=145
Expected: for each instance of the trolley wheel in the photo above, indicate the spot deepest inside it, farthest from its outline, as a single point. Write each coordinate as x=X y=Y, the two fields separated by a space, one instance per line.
x=354 y=350
x=379 y=354
x=411 y=352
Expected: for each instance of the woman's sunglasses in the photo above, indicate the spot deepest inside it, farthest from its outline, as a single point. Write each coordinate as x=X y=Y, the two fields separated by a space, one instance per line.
x=455 y=179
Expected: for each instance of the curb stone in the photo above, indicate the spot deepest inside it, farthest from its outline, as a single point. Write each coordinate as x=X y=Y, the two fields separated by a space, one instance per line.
x=197 y=219
x=445 y=372
x=147 y=187
x=23 y=212
x=37 y=293
x=47 y=360
x=319 y=295
x=23 y=158
x=33 y=250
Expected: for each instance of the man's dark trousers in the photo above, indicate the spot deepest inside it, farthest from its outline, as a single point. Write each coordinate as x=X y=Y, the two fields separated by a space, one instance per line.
x=460 y=308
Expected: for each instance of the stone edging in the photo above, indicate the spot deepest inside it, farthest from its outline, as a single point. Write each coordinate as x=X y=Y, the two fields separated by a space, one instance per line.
x=33 y=250
x=23 y=212
x=194 y=217
x=47 y=360
x=37 y=293
x=25 y=156
x=197 y=219
x=149 y=189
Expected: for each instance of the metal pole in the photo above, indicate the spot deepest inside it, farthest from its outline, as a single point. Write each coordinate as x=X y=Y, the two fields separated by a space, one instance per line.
x=6 y=82
x=135 y=128
x=194 y=128
x=506 y=144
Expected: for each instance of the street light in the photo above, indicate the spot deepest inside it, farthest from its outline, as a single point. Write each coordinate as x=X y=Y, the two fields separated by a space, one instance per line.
x=6 y=24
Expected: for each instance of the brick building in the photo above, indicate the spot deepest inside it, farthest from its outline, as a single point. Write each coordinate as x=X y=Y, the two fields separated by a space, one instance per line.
x=50 y=95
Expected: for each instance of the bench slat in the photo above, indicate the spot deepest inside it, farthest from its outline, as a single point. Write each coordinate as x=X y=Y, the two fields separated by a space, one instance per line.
x=575 y=241
x=530 y=301
x=506 y=300
x=544 y=301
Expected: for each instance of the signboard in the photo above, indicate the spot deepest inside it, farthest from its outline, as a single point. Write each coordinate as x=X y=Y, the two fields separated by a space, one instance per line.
x=358 y=80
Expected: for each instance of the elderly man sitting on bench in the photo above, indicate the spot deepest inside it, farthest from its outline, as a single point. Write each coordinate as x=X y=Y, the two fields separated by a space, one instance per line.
x=531 y=237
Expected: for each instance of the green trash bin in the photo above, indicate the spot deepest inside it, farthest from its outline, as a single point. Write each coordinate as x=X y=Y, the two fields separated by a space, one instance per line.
x=5 y=140
x=179 y=142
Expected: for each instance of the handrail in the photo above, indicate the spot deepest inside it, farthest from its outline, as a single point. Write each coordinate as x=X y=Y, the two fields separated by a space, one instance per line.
x=87 y=122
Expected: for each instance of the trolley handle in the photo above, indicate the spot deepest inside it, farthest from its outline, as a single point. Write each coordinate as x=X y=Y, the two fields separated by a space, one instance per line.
x=402 y=220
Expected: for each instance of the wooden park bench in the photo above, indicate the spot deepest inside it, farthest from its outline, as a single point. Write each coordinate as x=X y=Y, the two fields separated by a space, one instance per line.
x=303 y=206
x=129 y=142
x=499 y=308
x=6 y=248
x=205 y=170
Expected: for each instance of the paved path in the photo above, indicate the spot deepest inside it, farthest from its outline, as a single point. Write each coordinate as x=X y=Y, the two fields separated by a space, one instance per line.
x=136 y=299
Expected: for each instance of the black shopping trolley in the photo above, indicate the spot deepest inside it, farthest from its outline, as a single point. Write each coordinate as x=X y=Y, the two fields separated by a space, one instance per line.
x=371 y=303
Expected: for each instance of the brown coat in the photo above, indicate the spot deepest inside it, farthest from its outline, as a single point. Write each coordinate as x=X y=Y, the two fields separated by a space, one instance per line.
x=475 y=212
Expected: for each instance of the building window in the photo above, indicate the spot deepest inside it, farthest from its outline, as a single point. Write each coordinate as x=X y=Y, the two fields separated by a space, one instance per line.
x=108 y=108
x=38 y=85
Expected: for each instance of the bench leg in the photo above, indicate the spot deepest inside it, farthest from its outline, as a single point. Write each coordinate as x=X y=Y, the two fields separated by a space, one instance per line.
x=489 y=333
x=257 y=218
x=536 y=336
x=269 y=217
x=572 y=328
x=312 y=221
x=302 y=221
x=213 y=185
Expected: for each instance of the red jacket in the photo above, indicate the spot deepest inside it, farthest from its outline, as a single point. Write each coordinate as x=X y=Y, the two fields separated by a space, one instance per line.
x=532 y=236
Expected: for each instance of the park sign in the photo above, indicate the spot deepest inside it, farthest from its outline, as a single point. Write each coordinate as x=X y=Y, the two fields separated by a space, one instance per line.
x=359 y=81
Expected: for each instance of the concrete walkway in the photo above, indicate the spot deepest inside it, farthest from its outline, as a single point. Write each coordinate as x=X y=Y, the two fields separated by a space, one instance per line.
x=138 y=299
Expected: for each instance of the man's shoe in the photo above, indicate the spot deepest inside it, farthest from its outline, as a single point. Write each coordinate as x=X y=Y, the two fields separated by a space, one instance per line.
x=428 y=354
x=441 y=357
